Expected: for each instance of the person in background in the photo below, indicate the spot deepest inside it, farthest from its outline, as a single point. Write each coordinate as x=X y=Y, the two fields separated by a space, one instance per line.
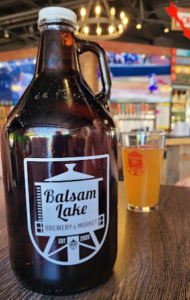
x=153 y=82
x=5 y=84
x=20 y=81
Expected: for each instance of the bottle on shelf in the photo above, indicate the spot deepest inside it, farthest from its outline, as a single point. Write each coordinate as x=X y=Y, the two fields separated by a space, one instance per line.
x=138 y=109
x=175 y=97
x=142 y=109
x=127 y=109
x=119 y=109
x=123 y=110
x=131 y=109
x=146 y=108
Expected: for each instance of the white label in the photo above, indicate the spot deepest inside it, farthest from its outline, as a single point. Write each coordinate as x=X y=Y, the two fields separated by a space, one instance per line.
x=65 y=222
x=184 y=17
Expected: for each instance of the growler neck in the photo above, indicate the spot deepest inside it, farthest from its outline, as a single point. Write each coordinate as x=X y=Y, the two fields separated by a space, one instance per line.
x=57 y=52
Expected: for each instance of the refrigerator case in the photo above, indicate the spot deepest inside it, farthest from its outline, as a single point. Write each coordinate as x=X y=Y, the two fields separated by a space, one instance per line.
x=180 y=105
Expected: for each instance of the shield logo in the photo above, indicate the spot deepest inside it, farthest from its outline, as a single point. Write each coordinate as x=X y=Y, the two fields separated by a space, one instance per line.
x=67 y=214
x=135 y=163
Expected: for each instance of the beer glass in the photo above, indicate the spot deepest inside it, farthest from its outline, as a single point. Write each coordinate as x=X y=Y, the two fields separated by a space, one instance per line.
x=142 y=155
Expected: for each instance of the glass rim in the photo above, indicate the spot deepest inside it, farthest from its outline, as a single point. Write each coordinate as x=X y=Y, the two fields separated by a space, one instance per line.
x=153 y=132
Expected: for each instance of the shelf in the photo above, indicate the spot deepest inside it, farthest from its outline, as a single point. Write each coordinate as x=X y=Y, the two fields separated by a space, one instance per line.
x=135 y=119
x=180 y=87
x=178 y=102
x=141 y=100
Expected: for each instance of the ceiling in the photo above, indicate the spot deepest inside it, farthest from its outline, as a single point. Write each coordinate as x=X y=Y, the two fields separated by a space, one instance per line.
x=19 y=18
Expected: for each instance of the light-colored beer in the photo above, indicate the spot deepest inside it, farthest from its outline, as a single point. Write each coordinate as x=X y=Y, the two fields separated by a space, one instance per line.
x=142 y=171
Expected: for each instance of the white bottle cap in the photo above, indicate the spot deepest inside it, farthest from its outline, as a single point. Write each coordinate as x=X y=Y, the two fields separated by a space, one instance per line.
x=56 y=13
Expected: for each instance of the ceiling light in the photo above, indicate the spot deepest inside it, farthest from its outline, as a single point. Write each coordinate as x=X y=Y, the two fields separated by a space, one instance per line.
x=120 y=26
x=111 y=29
x=125 y=21
x=112 y=11
x=86 y=30
x=83 y=12
x=6 y=34
x=98 y=30
x=139 y=26
x=98 y=9
x=166 y=30
x=122 y=15
x=95 y=17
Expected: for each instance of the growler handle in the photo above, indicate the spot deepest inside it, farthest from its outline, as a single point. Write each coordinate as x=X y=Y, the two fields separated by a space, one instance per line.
x=89 y=46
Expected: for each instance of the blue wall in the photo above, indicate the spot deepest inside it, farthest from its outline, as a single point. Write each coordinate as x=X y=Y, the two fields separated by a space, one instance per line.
x=123 y=70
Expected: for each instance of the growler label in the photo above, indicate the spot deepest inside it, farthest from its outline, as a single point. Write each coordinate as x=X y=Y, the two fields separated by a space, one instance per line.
x=67 y=204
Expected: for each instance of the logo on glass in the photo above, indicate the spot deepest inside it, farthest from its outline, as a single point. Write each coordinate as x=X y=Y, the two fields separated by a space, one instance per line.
x=135 y=163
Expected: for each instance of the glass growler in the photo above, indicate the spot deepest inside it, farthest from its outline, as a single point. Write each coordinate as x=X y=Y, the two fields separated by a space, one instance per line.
x=59 y=168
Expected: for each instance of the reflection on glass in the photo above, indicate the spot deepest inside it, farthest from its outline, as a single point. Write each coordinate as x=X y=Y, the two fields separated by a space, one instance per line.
x=15 y=76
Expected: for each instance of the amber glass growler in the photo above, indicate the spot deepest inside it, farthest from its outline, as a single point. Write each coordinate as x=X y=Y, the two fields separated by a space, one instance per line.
x=59 y=168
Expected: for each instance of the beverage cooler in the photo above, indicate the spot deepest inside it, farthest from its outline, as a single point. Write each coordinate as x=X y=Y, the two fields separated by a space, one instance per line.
x=180 y=78
x=180 y=105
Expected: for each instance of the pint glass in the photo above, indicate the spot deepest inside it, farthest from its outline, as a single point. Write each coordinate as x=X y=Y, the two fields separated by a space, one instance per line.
x=142 y=154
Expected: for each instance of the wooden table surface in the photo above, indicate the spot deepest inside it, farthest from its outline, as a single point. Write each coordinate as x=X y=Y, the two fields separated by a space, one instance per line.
x=153 y=259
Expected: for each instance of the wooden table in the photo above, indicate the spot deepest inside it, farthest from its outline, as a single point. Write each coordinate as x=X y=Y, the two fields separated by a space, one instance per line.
x=153 y=259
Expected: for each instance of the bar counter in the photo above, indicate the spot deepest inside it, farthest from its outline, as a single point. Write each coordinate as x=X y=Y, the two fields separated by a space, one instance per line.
x=153 y=259
x=177 y=159
x=177 y=140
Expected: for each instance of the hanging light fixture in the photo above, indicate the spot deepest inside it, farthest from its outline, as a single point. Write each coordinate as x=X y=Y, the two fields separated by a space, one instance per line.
x=83 y=12
x=111 y=29
x=112 y=12
x=100 y=21
x=139 y=25
x=6 y=33
x=86 y=30
x=98 y=10
x=125 y=21
x=120 y=27
x=166 y=29
x=98 y=30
